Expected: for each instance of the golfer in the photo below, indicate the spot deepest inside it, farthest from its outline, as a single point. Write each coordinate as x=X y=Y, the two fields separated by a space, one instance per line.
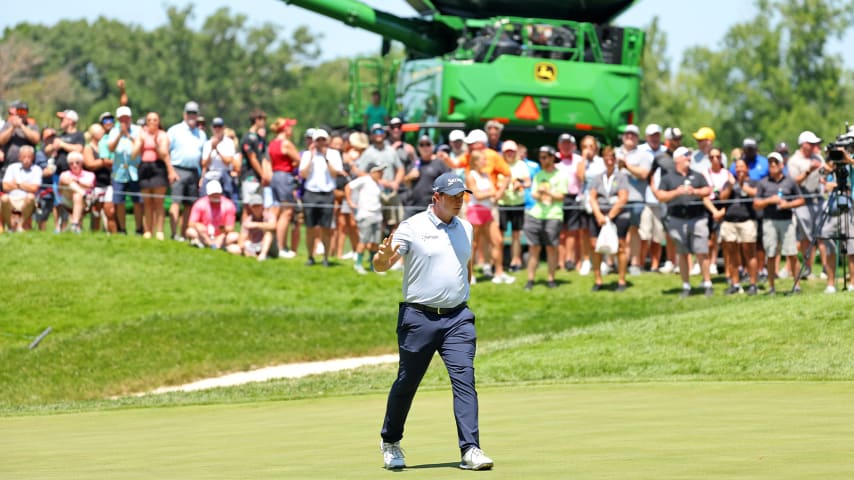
x=436 y=250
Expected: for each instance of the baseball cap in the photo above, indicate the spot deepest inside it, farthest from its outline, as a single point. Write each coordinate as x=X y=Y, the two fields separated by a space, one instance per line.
x=377 y=129
x=359 y=140
x=395 y=121
x=375 y=167
x=425 y=139
x=444 y=148
x=682 y=152
x=191 y=107
x=748 y=143
x=69 y=114
x=652 y=129
x=566 y=137
x=509 y=146
x=782 y=147
x=671 y=133
x=218 y=122
x=775 y=157
x=456 y=135
x=449 y=183
x=808 y=137
x=632 y=129
x=123 y=112
x=253 y=199
x=309 y=133
x=105 y=116
x=318 y=134
x=476 y=136
x=214 y=187
x=704 y=133
x=19 y=105
x=548 y=149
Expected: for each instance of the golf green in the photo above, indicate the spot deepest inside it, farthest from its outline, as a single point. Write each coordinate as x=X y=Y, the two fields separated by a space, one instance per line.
x=576 y=431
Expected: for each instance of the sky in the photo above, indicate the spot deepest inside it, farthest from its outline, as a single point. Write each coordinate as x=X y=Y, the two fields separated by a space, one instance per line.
x=684 y=22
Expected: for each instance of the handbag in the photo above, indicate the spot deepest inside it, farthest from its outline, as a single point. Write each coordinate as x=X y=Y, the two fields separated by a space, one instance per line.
x=607 y=243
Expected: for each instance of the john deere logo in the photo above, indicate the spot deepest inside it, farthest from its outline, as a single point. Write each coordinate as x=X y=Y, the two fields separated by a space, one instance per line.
x=545 y=72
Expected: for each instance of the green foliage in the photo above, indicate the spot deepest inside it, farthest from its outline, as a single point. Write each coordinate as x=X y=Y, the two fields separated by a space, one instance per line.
x=770 y=78
x=228 y=66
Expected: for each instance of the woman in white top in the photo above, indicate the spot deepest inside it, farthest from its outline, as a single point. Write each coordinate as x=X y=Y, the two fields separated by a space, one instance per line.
x=720 y=179
x=479 y=210
x=589 y=169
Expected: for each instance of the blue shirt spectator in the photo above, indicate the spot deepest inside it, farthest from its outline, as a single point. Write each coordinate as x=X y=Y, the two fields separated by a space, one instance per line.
x=186 y=145
x=124 y=166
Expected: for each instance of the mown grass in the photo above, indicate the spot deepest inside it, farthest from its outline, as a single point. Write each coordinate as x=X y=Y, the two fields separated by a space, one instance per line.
x=185 y=314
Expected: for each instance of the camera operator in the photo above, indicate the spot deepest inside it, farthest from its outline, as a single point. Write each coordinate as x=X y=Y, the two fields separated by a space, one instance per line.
x=840 y=218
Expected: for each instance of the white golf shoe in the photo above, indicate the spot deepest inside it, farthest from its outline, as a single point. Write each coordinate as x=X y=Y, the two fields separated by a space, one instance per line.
x=393 y=458
x=475 y=459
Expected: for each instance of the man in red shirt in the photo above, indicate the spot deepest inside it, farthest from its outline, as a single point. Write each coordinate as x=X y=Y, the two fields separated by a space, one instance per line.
x=212 y=218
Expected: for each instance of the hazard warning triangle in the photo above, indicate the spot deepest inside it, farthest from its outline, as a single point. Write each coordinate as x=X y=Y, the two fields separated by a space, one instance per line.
x=527 y=109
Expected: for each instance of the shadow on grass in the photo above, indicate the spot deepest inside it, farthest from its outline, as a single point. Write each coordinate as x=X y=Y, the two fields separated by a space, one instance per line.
x=455 y=465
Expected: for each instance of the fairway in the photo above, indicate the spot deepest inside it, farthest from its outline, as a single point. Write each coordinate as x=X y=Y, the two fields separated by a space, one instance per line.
x=794 y=430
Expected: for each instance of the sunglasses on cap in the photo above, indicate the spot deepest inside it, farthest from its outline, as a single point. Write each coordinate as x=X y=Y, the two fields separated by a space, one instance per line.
x=22 y=111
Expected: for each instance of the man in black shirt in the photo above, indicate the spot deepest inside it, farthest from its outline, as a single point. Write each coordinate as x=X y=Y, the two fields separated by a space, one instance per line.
x=70 y=140
x=739 y=230
x=420 y=178
x=777 y=195
x=254 y=148
x=686 y=192
x=17 y=131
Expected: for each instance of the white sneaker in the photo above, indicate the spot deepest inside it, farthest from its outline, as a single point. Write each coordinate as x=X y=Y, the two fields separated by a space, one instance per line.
x=695 y=270
x=783 y=274
x=393 y=458
x=287 y=254
x=851 y=288
x=667 y=268
x=487 y=270
x=584 y=269
x=503 y=278
x=713 y=269
x=604 y=268
x=359 y=269
x=319 y=249
x=830 y=289
x=676 y=269
x=634 y=270
x=475 y=459
x=351 y=255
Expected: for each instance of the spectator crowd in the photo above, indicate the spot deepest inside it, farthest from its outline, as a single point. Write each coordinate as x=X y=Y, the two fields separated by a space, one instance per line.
x=651 y=204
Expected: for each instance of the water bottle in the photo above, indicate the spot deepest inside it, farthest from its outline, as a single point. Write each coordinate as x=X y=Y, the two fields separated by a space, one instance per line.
x=780 y=193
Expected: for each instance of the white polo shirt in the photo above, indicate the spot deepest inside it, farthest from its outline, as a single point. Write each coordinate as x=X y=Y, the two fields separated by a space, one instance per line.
x=435 y=259
x=16 y=171
x=319 y=179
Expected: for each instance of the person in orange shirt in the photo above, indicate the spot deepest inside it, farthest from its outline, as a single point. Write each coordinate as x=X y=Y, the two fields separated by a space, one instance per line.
x=499 y=172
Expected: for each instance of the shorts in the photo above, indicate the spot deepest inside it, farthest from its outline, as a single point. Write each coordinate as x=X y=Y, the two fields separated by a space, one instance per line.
x=513 y=215
x=283 y=187
x=478 y=215
x=739 y=232
x=123 y=190
x=267 y=194
x=44 y=205
x=370 y=231
x=318 y=209
x=807 y=216
x=542 y=232
x=690 y=234
x=622 y=223
x=186 y=189
x=572 y=210
x=99 y=194
x=836 y=227
x=154 y=175
x=635 y=210
x=252 y=247
x=392 y=208
x=650 y=227
x=249 y=188
x=18 y=203
x=779 y=237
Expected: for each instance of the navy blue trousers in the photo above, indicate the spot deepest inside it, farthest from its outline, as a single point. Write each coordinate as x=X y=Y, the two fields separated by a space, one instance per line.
x=419 y=336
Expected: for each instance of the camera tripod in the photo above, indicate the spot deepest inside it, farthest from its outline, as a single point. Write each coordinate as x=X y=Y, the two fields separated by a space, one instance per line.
x=838 y=208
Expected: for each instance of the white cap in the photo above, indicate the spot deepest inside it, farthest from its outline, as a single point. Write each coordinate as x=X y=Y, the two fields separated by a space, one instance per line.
x=69 y=114
x=632 y=129
x=476 y=136
x=213 y=187
x=682 y=152
x=808 y=137
x=123 y=112
x=456 y=135
x=652 y=129
x=776 y=157
x=672 y=132
x=318 y=134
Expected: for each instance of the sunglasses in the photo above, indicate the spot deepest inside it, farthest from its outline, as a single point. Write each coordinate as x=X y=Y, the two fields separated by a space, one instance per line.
x=425 y=144
x=108 y=120
x=22 y=112
x=192 y=113
x=715 y=156
x=394 y=127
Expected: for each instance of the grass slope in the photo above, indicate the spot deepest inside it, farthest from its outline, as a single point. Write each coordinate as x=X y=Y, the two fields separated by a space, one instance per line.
x=588 y=431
